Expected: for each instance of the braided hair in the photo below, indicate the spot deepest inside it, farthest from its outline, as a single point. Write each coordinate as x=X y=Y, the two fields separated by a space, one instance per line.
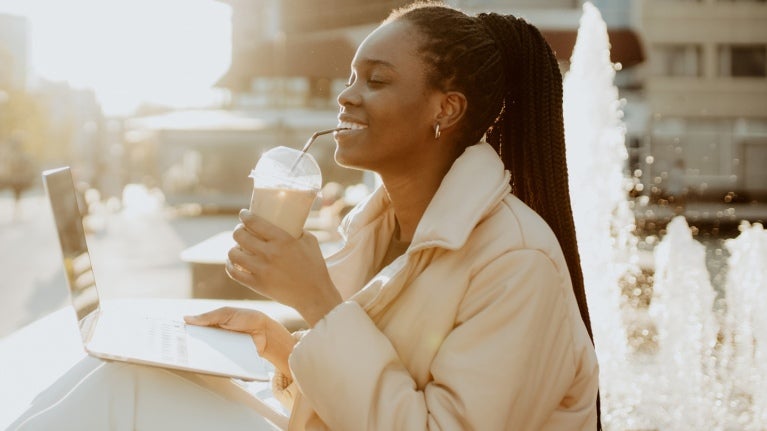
x=513 y=87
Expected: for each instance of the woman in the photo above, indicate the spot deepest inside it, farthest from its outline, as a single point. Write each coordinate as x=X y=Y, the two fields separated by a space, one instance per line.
x=451 y=304
x=457 y=299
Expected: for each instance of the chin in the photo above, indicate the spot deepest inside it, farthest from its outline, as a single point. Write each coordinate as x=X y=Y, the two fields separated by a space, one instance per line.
x=356 y=154
x=345 y=158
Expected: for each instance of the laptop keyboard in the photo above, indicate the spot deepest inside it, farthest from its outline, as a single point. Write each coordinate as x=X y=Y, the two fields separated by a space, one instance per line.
x=168 y=338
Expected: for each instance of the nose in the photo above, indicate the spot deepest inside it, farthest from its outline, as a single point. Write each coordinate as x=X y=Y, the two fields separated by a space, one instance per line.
x=349 y=96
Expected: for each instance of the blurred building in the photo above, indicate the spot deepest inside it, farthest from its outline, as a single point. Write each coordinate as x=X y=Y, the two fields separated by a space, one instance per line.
x=53 y=123
x=74 y=130
x=16 y=165
x=705 y=86
x=13 y=51
x=297 y=52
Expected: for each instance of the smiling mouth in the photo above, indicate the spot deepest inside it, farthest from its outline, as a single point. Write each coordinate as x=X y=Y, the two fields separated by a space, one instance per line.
x=352 y=126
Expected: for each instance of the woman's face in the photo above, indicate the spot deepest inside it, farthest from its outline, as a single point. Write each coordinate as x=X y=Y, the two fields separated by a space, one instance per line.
x=388 y=104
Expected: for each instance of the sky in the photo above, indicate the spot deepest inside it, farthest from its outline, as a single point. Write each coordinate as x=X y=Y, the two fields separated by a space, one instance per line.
x=167 y=52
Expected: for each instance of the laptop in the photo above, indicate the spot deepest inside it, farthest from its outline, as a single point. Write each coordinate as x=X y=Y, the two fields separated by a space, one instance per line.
x=129 y=335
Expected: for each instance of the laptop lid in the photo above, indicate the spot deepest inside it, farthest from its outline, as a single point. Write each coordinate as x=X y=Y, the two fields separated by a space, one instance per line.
x=81 y=281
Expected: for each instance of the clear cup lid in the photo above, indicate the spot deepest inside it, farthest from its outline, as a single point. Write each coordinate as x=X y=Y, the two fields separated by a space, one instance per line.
x=287 y=167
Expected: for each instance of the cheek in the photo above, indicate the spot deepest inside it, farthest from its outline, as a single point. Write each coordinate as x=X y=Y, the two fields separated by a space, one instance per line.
x=402 y=115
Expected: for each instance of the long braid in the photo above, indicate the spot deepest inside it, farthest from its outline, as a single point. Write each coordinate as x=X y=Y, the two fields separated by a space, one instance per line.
x=529 y=134
x=530 y=137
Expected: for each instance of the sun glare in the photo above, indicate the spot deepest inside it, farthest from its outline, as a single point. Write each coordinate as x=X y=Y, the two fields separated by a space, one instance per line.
x=130 y=51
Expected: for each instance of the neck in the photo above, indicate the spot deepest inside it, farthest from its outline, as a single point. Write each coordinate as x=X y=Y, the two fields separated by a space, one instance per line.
x=411 y=192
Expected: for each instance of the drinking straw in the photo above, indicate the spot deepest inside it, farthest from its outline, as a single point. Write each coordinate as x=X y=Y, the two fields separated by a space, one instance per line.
x=311 y=141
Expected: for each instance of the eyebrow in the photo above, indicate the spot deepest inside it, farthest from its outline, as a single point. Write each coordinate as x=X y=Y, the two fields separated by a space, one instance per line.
x=371 y=62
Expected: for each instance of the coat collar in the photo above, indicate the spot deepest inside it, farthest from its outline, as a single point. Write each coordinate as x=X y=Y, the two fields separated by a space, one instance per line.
x=474 y=184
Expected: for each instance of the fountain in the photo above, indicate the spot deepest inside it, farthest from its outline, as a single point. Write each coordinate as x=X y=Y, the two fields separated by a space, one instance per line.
x=745 y=328
x=595 y=143
x=706 y=364
x=682 y=308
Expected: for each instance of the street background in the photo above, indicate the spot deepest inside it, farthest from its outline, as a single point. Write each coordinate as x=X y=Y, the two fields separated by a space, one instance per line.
x=134 y=254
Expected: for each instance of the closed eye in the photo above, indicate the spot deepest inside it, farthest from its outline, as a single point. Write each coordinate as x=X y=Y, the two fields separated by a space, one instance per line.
x=372 y=82
x=376 y=73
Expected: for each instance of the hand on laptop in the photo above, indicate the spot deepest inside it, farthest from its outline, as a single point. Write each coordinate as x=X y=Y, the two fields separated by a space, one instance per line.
x=289 y=270
x=273 y=341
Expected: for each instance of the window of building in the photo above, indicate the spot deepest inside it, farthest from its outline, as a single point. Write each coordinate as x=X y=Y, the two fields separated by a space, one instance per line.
x=743 y=60
x=703 y=145
x=676 y=60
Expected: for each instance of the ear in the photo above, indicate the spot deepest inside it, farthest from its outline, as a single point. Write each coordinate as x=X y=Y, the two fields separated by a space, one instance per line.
x=452 y=109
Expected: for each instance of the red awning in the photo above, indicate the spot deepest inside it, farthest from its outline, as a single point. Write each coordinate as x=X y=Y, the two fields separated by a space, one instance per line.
x=625 y=47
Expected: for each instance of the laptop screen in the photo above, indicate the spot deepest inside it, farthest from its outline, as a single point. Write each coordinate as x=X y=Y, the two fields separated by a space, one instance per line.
x=77 y=263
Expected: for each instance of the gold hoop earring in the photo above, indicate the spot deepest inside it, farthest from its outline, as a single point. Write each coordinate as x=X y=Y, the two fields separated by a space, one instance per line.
x=437 y=132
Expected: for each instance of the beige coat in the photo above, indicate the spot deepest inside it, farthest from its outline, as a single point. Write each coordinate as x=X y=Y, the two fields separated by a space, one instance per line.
x=475 y=328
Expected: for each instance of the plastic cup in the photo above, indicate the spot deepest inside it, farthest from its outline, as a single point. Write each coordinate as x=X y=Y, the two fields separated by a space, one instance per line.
x=285 y=185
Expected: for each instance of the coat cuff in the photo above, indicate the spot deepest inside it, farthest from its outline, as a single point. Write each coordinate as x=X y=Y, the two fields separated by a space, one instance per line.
x=283 y=387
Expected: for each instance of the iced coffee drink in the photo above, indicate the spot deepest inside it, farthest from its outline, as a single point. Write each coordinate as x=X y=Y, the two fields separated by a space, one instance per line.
x=285 y=185
x=285 y=208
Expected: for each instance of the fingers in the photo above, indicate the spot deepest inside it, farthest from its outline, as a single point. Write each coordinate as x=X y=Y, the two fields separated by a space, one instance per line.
x=255 y=233
x=244 y=276
x=244 y=260
x=261 y=228
x=249 y=242
x=235 y=319
x=218 y=317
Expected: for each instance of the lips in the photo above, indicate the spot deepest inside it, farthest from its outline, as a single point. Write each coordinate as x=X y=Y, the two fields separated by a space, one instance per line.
x=352 y=126
x=347 y=121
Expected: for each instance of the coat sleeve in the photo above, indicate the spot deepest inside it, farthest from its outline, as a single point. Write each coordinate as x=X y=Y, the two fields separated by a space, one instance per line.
x=283 y=387
x=508 y=363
